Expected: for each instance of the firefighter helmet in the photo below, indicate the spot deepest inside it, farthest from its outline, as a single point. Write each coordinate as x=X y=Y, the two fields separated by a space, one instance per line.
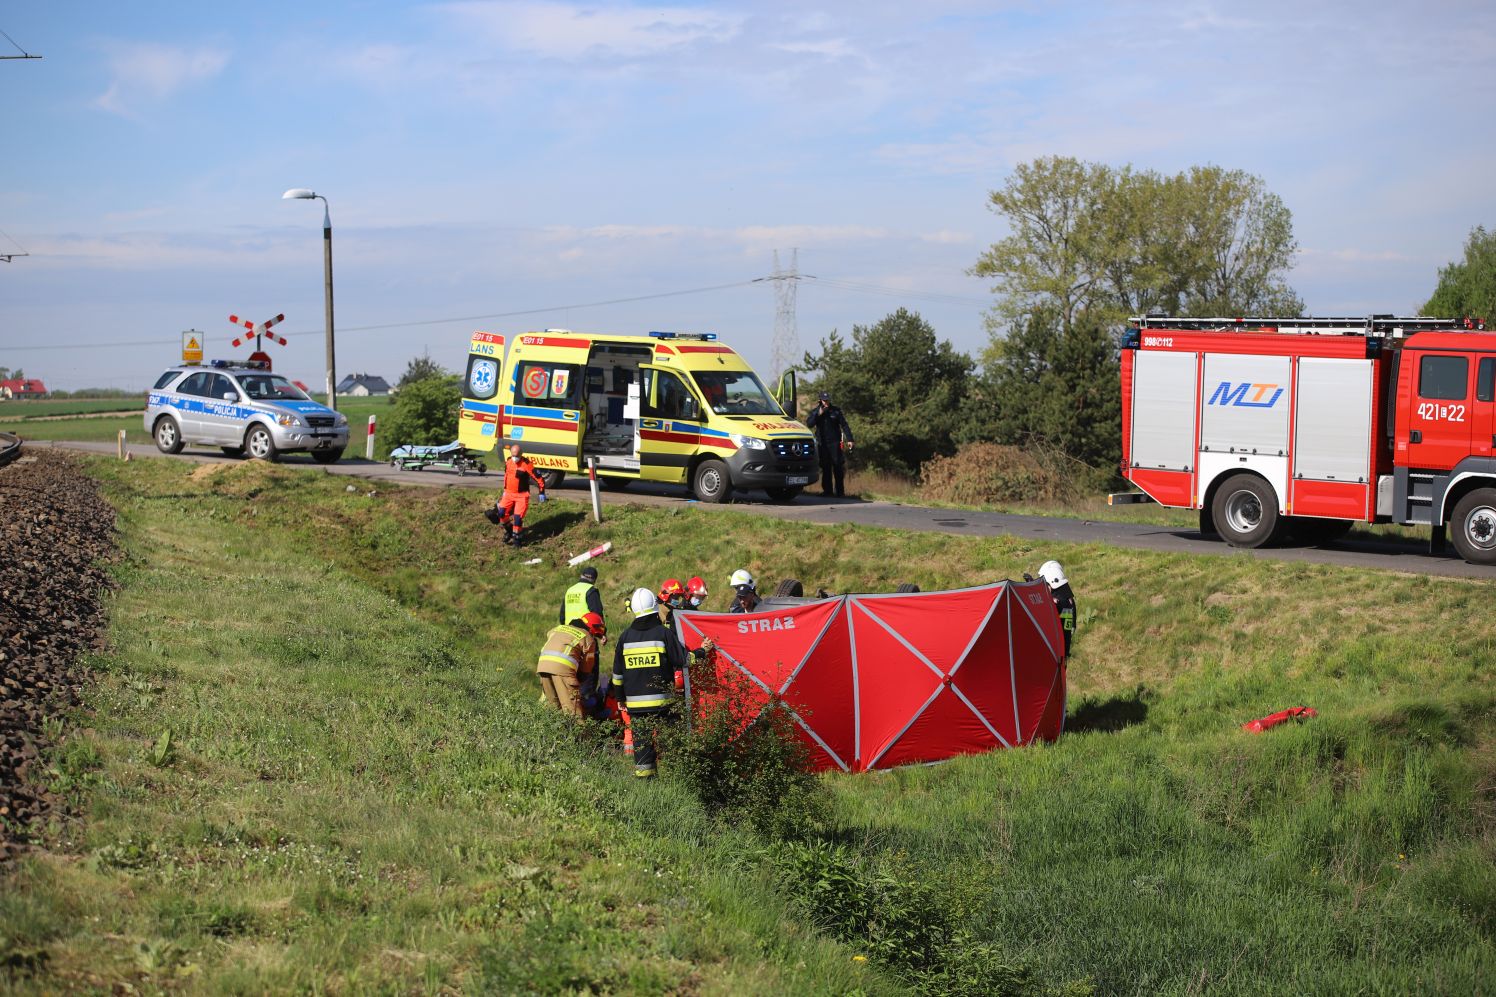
x=1052 y=573
x=594 y=625
x=670 y=588
x=643 y=601
x=740 y=578
x=697 y=586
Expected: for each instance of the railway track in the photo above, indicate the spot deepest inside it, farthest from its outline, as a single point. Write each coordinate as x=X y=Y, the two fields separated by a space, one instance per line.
x=10 y=448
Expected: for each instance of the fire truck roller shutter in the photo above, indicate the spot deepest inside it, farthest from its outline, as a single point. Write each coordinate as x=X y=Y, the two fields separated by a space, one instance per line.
x=1244 y=401
x=1331 y=474
x=1163 y=411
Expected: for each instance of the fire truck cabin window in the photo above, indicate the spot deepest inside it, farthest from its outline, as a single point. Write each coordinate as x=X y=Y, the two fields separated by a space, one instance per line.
x=1485 y=380
x=1442 y=377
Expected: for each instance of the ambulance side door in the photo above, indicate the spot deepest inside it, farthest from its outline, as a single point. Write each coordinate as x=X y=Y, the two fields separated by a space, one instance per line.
x=669 y=425
x=546 y=417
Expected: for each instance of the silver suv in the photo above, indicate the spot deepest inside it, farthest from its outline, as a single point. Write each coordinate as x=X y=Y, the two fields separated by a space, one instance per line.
x=241 y=408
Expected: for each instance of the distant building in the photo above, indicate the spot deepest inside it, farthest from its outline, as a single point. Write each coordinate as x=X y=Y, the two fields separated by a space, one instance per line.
x=363 y=385
x=28 y=387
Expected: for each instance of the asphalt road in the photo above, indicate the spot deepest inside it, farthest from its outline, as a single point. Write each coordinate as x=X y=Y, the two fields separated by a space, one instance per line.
x=1410 y=557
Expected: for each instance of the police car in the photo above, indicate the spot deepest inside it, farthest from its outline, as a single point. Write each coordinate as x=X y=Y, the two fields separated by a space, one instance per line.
x=241 y=408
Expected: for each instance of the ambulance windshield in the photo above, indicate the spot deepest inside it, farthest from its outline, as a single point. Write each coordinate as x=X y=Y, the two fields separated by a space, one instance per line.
x=271 y=388
x=735 y=392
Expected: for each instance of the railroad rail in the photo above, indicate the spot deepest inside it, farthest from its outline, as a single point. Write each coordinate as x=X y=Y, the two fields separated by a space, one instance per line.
x=10 y=448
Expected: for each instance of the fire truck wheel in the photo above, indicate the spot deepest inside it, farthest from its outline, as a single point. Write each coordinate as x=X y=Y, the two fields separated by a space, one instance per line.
x=552 y=478
x=168 y=436
x=711 y=482
x=1245 y=511
x=1472 y=528
x=260 y=444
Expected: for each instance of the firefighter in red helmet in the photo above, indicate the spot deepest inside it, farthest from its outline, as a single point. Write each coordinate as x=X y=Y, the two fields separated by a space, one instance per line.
x=672 y=596
x=696 y=592
x=569 y=658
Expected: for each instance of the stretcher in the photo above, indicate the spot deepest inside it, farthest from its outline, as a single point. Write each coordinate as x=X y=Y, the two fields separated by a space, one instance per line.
x=453 y=457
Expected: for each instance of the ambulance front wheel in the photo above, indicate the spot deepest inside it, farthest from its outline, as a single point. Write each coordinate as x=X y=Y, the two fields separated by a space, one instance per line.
x=711 y=482
x=1245 y=511
x=1472 y=528
x=552 y=478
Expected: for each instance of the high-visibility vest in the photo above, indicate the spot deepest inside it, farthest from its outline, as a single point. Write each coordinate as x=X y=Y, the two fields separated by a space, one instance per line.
x=567 y=651
x=576 y=601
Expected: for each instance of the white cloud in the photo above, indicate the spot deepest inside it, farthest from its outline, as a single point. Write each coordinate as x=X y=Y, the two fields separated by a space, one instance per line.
x=149 y=71
x=576 y=31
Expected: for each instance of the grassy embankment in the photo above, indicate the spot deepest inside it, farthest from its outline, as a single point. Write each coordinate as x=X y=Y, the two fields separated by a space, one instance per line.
x=39 y=420
x=354 y=794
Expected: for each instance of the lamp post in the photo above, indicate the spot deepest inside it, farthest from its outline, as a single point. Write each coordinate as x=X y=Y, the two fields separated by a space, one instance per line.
x=304 y=194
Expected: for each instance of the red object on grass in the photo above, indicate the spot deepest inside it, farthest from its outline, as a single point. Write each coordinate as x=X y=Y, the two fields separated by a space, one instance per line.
x=1282 y=716
x=878 y=681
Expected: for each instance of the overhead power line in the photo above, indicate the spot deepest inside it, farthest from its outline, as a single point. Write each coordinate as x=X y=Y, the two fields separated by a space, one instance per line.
x=24 y=54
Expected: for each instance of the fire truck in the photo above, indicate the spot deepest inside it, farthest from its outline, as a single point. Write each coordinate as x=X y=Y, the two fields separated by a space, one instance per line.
x=1301 y=427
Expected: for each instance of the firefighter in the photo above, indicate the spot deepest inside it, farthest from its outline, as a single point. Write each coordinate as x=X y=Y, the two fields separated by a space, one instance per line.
x=509 y=511
x=745 y=598
x=569 y=658
x=833 y=441
x=672 y=596
x=696 y=592
x=648 y=667
x=582 y=597
x=1064 y=598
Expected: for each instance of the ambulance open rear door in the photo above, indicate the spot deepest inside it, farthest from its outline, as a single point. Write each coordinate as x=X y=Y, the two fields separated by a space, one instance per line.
x=479 y=421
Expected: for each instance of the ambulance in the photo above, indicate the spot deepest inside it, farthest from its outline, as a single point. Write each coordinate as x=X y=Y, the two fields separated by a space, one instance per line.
x=669 y=407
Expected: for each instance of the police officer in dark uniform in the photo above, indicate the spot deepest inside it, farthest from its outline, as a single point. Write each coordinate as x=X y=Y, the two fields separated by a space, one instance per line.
x=833 y=440
x=1064 y=598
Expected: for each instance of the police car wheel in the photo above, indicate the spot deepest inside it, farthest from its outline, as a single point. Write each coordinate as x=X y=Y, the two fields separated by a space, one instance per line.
x=1472 y=528
x=168 y=436
x=711 y=482
x=260 y=444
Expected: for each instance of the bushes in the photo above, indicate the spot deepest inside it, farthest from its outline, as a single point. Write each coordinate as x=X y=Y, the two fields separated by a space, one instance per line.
x=982 y=473
x=425 y=414
x=744 y=767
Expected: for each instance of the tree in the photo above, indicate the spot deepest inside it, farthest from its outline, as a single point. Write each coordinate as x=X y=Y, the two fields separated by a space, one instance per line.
x=1117 y=242
x=425 y=414
x=900 y=387
x=421 y=368
x=1044 y=383
x=1468 y=288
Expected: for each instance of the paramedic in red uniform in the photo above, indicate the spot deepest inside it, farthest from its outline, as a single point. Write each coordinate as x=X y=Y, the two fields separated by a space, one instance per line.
x=833 y=440
x=509 y=511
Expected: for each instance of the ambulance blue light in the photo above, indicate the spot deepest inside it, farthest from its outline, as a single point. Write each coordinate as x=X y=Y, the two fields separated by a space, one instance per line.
x=708 y=336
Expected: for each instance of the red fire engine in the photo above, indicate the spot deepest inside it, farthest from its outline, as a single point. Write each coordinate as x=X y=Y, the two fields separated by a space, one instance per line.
x=1304 y=426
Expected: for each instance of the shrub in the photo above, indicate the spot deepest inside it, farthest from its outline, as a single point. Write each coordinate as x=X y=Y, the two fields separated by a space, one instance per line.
x=982 y=473
x=425 y=414
x=743 y=766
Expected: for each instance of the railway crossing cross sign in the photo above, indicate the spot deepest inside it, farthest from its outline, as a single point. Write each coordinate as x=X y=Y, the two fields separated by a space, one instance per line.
x=192 y=347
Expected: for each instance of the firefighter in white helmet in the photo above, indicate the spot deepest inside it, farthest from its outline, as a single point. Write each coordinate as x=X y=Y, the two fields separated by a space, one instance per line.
x=648 y=675
x=745 y=592
x=1064 y=599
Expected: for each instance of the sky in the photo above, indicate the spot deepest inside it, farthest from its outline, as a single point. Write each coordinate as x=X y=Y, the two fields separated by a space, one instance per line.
x=618 y=167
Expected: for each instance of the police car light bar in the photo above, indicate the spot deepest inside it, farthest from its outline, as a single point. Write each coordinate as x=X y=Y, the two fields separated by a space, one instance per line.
x=708 y=336
x=249 y=364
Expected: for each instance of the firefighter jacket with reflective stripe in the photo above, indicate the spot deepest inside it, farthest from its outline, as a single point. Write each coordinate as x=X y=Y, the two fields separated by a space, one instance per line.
x=645 y=665
x=581 y=599
x=1064 y=601
x=567 y=651
x=519 y=475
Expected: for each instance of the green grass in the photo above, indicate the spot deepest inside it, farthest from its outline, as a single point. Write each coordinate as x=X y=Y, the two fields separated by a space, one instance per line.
x=366 y=796
x=20 y=410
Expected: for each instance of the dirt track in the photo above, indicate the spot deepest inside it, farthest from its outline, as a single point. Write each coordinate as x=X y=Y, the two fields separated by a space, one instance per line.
x=56 y=538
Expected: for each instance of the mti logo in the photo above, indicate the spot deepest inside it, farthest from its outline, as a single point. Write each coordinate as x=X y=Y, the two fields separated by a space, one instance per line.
x=1246 y=395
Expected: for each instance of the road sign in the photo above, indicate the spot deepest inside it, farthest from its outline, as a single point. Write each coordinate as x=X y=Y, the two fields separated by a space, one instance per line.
x=192 y=347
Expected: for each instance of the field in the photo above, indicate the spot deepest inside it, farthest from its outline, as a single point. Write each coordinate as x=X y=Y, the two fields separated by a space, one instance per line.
x=360 y=792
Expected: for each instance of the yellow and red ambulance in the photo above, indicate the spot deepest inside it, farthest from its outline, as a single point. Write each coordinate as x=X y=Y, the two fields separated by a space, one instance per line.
x=667 y=407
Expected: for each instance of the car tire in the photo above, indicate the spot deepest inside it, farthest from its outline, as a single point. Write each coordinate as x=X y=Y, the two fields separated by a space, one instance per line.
x=1472 y=527
x=326 y=456
x=168 y=435
x=232 y=451
x=1245 y=511
x=782 y=495
x=552 y=479
x=711 y=482
x=790 y=587
x=907 y=587
x=260 y=444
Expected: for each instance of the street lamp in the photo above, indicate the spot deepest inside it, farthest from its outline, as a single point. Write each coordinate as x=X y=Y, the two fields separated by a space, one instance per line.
x=304 y=194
